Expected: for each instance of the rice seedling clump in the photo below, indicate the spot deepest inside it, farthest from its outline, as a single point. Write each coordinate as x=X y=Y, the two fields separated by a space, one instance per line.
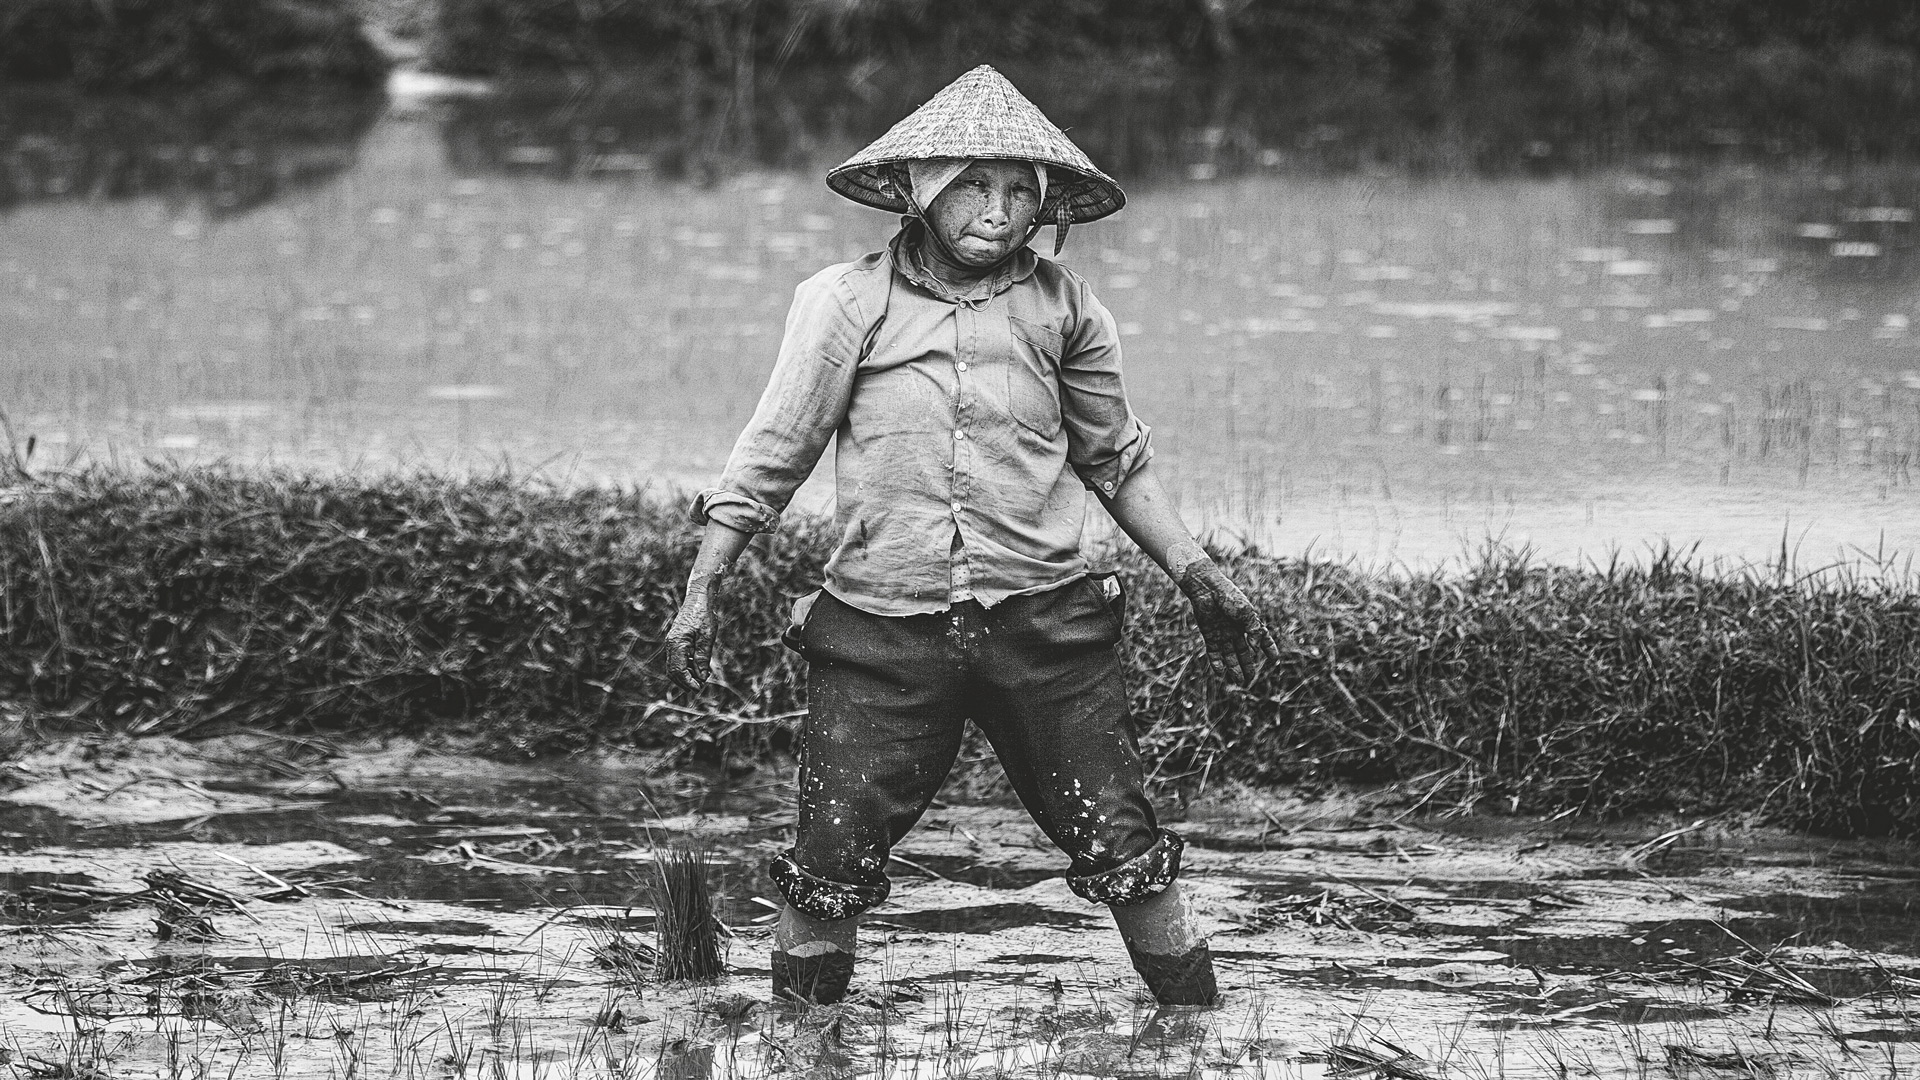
x=686 y=927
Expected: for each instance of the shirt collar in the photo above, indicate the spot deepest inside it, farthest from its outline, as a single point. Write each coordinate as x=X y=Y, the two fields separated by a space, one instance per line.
x=905 y=252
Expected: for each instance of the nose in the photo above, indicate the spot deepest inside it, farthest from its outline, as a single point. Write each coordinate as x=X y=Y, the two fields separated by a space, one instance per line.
x=995 y=215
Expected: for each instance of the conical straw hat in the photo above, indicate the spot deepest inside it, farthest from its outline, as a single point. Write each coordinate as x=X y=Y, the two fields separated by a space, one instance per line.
x=980 y=115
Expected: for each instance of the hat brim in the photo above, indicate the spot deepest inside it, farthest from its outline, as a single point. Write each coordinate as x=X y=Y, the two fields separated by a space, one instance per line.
x=881 y=185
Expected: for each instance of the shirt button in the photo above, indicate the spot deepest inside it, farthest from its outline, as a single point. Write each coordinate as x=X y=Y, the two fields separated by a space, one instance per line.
x=1108 y=485
x=956 y=508
x=960 y=435
x=962 y=365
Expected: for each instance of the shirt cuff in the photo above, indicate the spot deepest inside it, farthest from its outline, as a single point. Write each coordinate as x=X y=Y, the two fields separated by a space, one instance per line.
x=1111 y=475
x=733 y=510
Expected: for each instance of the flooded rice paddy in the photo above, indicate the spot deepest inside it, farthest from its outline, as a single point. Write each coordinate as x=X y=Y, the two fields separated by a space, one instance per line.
x=1710 y=342
x=1584 y=350
x=280 y=907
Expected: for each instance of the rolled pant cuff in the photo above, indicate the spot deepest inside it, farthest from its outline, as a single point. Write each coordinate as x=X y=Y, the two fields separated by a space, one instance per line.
x=1137 y=880
x=823 y=898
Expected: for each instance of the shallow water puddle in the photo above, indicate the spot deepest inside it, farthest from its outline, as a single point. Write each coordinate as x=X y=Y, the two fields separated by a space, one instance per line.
x=389 y=910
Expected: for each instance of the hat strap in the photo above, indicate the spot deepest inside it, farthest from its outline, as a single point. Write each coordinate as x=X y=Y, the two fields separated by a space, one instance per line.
x=916 y=212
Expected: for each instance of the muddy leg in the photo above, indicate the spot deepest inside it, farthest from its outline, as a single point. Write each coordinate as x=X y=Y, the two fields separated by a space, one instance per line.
x=812 y=958
x=1167 y=948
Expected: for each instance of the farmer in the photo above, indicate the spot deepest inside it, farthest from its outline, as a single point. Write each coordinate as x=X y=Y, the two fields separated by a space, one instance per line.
x=973 y=388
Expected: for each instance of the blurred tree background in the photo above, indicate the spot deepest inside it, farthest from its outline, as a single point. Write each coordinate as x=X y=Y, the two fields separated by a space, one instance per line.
x=492 y=36
x=122 y=44
x=703 y=86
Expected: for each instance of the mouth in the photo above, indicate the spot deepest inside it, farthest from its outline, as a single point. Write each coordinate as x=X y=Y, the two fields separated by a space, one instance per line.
x=975 y=240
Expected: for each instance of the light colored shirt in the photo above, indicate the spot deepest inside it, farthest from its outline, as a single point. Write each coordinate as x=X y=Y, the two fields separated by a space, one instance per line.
x=985 y=417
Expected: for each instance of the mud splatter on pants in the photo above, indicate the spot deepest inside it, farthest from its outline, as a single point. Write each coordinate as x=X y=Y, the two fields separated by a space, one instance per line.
x=889 y=699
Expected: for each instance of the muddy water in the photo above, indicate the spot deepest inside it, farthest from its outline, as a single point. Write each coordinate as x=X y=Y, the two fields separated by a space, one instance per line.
x=385 y=910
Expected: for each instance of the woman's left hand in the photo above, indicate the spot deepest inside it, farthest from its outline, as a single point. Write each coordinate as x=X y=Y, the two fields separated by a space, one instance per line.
x=1237 y=637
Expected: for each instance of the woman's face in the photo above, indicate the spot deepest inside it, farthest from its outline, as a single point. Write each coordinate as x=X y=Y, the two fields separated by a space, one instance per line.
x=987 y=211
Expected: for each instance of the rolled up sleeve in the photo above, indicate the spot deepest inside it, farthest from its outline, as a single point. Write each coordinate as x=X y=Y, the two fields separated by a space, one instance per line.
x=804 y=402
x=1106 y=442
x=734 y=510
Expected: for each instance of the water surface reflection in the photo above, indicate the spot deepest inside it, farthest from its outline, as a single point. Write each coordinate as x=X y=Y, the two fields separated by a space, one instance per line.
x=224 y=150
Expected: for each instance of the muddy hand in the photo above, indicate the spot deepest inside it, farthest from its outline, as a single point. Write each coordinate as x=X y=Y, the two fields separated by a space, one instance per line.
x=1237 y=638
x=690 y=644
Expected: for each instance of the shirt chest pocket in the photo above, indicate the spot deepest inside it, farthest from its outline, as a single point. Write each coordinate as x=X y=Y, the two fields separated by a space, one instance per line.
x=1033 y=385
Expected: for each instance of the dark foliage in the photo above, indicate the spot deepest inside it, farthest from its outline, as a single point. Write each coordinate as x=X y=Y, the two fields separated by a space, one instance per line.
x=1346 y=36
x=187 y=601
x=122 y=44
x=1559 y=118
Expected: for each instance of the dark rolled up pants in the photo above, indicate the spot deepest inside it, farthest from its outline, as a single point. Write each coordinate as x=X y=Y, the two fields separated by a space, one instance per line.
x=889 y=698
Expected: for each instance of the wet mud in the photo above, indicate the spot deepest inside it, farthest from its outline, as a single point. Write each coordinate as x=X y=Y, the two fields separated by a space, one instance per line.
x=275 y=907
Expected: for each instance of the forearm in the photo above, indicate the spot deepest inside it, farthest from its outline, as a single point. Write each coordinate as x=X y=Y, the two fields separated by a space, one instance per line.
x=720 y=545
x=1145 y=512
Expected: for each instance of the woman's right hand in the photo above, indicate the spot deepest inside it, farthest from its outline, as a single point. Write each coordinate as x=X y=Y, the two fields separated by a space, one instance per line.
x=690 y=643
x=690 y=638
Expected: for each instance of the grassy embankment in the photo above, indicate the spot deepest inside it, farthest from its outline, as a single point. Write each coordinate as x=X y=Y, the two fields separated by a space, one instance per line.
x=187 y=601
